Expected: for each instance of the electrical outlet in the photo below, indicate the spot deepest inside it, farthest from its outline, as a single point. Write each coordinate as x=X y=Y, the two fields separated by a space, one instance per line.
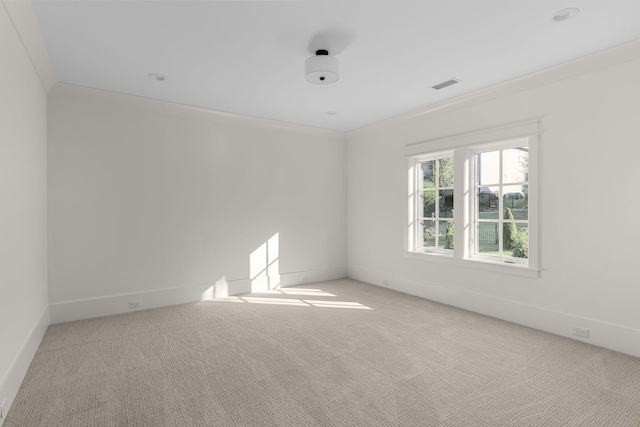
x=135 y=304
x=385 y=283
x=580 y=332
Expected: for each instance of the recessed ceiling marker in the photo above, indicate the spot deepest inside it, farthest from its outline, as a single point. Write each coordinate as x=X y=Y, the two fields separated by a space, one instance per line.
x=565 y=14
x=157 y=77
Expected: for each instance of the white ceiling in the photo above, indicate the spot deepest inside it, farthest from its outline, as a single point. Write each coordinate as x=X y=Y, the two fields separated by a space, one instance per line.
x=247 y=57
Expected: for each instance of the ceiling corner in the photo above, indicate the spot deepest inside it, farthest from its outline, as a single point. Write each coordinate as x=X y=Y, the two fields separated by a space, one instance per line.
x=24 y=22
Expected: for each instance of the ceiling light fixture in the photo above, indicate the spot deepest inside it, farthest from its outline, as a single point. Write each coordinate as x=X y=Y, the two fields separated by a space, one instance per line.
x=321 y=69
x=158 y=77
x=565 y=14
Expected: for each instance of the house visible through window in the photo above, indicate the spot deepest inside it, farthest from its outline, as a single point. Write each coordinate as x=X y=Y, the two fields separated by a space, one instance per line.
x=492 y=188
x=501 y=213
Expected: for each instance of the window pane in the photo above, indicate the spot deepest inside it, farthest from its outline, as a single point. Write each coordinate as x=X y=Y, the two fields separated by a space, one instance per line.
x=445 y=203
x=515 y=164
x=487 y=202
x=446 y=172
x=487 y=238
x=429 y=203
x=445 y=234
x=428 y=171
x=516 y=201
x=429 y=234
x=488 y=168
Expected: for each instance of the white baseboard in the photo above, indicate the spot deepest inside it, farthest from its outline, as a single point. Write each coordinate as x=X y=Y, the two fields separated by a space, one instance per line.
x=12 y=381
x=313 y=276
x=116 y=304
x=615 y=337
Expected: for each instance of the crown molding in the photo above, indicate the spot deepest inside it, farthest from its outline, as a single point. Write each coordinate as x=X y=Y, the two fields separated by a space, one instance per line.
x=121 y=100
x=606 y=58
x=24 y=22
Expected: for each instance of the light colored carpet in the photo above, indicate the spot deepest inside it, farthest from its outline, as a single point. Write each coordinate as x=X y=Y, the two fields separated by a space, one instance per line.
x=338 y=353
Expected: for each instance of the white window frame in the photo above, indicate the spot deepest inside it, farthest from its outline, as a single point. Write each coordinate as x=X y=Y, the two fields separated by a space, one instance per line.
x=418 y=229
x=500 y=146
x=464 y=148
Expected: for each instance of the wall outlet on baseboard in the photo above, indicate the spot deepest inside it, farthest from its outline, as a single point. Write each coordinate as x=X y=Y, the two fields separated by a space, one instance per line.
x=135 y=304
x=385 y=283
x=580 y=332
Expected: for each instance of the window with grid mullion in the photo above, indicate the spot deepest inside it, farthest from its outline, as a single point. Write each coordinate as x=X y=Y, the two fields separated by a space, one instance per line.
x=501 y=208
x=436 y=192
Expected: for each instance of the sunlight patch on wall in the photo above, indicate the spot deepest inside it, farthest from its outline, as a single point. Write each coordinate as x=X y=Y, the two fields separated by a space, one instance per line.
x=221 y=288
x=264 y=265
x=207 y=294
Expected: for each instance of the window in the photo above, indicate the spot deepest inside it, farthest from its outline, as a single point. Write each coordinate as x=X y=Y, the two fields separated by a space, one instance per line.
x=435 y=206
x=492 y=186
x=501 y=208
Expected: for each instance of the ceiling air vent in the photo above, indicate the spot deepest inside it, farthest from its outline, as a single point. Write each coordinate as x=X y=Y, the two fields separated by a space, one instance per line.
x=445 y=84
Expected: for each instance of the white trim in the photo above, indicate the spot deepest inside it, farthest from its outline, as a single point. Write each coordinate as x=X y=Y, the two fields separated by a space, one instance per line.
x=416 y=189
x=532 y=219
x=615 y=337
x=463 y=147
x=620 y=54
x=494 y=265
x=411 y=227
x=116 y=304
x=120 y=100
x=10 y=384
x=26 y=26
x=431 y=155
x=533 y=194
x=496 y=134
x=313 y=275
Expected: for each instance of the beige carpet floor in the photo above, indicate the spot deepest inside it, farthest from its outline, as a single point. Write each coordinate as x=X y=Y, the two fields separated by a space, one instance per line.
x=338 y=353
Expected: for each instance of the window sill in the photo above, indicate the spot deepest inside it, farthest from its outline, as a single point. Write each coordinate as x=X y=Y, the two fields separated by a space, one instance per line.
x=478 y=264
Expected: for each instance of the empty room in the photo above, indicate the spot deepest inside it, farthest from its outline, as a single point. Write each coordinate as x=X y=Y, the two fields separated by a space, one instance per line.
x=319 y=213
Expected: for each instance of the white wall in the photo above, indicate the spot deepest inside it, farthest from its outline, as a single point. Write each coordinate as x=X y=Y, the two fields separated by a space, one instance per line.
x=147 y=196
x=589 y=235
x=23 y=210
